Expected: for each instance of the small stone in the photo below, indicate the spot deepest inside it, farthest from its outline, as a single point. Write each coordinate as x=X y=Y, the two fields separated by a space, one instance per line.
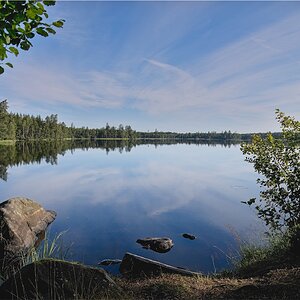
x=157 y=244
x=188 y=236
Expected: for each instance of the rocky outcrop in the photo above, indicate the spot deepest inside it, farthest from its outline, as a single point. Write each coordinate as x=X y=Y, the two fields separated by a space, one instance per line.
x=137 y=266
x=55 y=279
x=22 y=225
x=160 y=245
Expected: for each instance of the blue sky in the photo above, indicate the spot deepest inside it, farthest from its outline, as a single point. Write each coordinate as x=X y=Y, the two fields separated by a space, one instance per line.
x=180 y=66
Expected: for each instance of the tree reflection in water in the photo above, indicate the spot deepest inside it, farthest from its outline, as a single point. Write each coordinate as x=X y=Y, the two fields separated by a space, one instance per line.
x=23 y=153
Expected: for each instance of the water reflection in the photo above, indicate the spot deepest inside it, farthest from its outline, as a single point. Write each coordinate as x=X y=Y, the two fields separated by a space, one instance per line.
x=152 y=189
x=48 y=151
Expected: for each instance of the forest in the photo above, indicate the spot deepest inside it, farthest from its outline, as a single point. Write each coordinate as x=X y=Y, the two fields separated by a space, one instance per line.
x=14 y=126
x=22 y=127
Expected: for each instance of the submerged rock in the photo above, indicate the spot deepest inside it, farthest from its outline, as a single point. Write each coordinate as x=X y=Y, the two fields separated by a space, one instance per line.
x=109 y=262
x=56 y=279
x=157 y=244
x=137 y=266
x=188 y=236
x=22 y=226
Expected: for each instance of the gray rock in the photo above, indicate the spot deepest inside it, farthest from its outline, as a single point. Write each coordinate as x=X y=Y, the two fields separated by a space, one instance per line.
x=137 y=266
x=56 y=279
x=22 y=226
x=157 y=244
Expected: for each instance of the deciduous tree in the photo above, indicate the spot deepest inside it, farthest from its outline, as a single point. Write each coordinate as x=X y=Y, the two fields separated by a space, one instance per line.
x=278 y=163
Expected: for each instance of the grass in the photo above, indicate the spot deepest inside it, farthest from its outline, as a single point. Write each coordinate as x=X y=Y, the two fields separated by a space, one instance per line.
x=49 y=248
x=7 y=142
x=280 y=250
x=277 y=284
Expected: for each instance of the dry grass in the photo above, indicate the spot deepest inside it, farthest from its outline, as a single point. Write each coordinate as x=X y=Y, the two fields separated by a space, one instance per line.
x=277 y=284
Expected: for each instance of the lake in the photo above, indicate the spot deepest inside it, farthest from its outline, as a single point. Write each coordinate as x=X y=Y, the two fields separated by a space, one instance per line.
x=108 y=194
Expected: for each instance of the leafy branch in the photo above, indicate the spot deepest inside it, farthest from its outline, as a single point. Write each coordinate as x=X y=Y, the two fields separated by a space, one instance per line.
x=20 y=21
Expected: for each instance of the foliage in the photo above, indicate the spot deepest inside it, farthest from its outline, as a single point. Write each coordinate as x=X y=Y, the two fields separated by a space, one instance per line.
x=278 y=161
x=224 y=136
x=253 y=255
x=279 y=250
x=7 y=127
x=20 y=21
x=26 y=127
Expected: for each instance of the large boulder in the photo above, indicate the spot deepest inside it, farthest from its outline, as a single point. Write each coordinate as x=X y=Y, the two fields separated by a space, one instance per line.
x=157 y=244
x=57 y=279
x=22 y=225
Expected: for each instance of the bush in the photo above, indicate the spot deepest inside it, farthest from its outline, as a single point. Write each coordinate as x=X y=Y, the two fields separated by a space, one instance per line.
x=278 y=161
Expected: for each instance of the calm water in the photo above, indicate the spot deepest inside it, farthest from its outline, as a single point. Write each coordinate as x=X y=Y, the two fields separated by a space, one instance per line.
x=107 y=198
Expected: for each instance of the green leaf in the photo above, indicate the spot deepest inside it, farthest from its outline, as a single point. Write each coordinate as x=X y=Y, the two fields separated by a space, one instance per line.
x=3 y=54
x=50 y=30
x=25 y=46
x=30 y=35
x=40 y=5
x=14 y=50
x=1 y=70
x=49 y=3
x=41 y=32
x=7 y=39
x=27 y=27
x=9 y=64
x=59 y=23
x=31 y=14
x=21 y=30
x=251 y=201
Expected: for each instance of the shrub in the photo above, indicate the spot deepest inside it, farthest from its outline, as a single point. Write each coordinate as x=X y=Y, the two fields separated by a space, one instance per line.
x=278 y=161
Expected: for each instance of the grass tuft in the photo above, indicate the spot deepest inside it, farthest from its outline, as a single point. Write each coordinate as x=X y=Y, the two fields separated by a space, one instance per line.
x=49 y=248
x=279 y=250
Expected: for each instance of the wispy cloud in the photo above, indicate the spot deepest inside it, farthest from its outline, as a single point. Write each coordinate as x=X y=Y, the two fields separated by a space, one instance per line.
x=170 y=188
x=54 y=85
x=246 y=77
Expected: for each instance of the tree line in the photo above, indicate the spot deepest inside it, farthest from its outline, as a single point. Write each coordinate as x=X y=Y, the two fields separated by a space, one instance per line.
x=224 y=136
x=22 y=127
x=26 y=127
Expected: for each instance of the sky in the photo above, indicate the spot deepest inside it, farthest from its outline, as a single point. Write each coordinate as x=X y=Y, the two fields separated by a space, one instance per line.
x=172 y=66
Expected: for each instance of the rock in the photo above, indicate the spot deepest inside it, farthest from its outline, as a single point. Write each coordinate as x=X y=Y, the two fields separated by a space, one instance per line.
x=188 y=236
x=56 y=279
x=137 y=266
x=108 y=262
x=161 y=244
x=22 y=226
